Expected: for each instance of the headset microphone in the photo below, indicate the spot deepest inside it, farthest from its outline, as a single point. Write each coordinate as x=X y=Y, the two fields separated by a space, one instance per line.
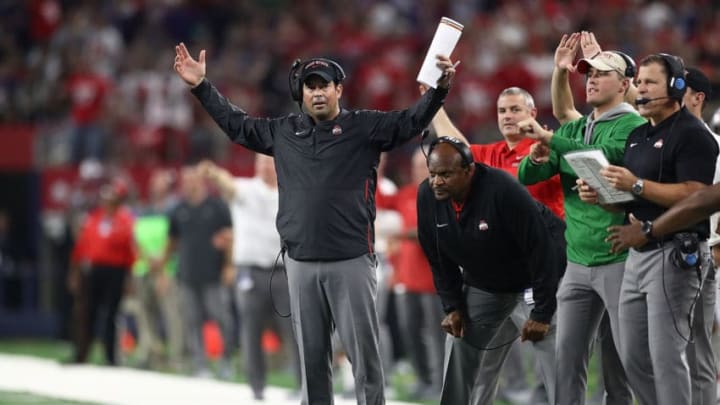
x=643 y=101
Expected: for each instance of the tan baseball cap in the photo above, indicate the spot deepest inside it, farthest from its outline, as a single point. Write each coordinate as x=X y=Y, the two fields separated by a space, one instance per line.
x=605 y=62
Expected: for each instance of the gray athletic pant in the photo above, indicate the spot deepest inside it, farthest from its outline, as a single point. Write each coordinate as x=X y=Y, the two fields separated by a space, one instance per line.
x=199 y=303
x=257 y=311
x=615 y=386
x=584 y=295
x=486 y=313
x=493 y=360
x=700 y=354
x=341 y=294
x=420 y=316
x=655 y=302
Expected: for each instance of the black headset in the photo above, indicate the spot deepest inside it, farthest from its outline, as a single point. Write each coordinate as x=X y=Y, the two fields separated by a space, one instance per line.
x=631 y=67
x=676 y=85
x=296 y=73
x=460 y=146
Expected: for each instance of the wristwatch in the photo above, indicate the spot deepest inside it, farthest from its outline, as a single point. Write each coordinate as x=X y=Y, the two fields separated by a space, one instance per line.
x=647 y=228
x=638 y=187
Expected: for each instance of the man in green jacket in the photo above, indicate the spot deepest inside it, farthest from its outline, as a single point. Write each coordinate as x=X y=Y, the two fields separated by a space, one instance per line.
x=593 y=276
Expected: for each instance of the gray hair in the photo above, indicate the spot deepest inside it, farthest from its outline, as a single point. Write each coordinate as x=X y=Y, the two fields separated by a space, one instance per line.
x=514 y=91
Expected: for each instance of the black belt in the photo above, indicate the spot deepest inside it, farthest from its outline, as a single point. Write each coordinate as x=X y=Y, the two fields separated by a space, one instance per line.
x=652 y=245
x=657 y=244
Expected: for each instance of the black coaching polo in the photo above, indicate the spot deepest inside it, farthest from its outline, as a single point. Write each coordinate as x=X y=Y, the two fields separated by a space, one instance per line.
x=676 y=150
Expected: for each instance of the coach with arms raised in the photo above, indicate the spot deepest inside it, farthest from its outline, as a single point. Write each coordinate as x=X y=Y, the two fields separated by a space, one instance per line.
x=326 y=159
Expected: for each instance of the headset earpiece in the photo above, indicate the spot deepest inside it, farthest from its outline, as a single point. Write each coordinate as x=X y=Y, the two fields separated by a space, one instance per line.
x=294 y=80
x=460 y=146
x=631 y=69
x=296 y=71
x=676 y=85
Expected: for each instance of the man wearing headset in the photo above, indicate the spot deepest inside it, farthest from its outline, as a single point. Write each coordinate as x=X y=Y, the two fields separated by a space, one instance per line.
x=326 y=160
x=487 y=241
x=513 y=105
x=666 y=159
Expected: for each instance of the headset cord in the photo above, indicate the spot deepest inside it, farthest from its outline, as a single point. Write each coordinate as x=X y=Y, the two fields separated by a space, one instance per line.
x=691 y=335
x=272 y=274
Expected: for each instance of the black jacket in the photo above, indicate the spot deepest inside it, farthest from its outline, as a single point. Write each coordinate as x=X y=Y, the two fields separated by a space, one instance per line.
x=326 y=171
x=504 y=242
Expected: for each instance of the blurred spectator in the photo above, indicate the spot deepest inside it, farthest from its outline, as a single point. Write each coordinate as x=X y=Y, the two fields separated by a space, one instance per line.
x=419 y=307
x=101 y=261
x=201 y=235
x=155 y=302
x=262 y=300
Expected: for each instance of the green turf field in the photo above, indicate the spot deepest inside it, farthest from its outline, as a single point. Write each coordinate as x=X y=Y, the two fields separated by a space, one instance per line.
x=20 y=398
x=402 y=380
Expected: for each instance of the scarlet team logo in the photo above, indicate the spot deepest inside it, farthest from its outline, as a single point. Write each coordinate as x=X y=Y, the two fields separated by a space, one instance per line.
x=336 y=130
x=658 y=144
x=483 y=226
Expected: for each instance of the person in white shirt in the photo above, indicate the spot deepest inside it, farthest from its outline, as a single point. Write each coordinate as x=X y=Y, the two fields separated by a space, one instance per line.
x=261 y=294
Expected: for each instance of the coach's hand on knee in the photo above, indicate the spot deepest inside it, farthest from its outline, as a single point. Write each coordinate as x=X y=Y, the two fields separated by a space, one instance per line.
x=534 y=331
x=453 y=324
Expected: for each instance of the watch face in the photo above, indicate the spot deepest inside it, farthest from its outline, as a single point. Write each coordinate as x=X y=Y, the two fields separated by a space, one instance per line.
x=637 y=188
x=646 y=228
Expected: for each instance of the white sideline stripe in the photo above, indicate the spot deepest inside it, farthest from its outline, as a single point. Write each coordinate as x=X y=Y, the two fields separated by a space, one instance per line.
x=118 y=385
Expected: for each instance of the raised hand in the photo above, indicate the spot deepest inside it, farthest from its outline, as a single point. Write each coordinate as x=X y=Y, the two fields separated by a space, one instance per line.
x=448 y=68
x=589 y=45
x=190 y=70
x=532 y=129
x=566 y=51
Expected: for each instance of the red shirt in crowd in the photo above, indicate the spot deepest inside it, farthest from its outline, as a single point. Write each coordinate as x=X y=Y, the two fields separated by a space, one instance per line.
x=106 y=240
x=87 y=92
x=411 y=267
x=499 y=155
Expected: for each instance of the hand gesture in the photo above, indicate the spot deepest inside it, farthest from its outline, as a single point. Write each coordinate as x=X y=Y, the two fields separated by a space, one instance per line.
x=566 y=51
x=626 y=236
x=454 y=324
x=534 y=331
x=587 y=194
x=161 y=284
x=190 y=70
x=619 y=177
x=448 y=68
x=531 y=128
x=228 y=275
x=539 y=153
x=589 y=45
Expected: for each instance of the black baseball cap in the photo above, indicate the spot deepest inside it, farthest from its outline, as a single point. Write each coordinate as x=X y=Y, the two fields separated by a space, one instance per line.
x=697 y=81
x=321 y=68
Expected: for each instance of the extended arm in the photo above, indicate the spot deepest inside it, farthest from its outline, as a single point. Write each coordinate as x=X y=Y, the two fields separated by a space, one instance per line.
x=687 y=212
x=562 y=100
x=446 y=274
x=220 y=177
